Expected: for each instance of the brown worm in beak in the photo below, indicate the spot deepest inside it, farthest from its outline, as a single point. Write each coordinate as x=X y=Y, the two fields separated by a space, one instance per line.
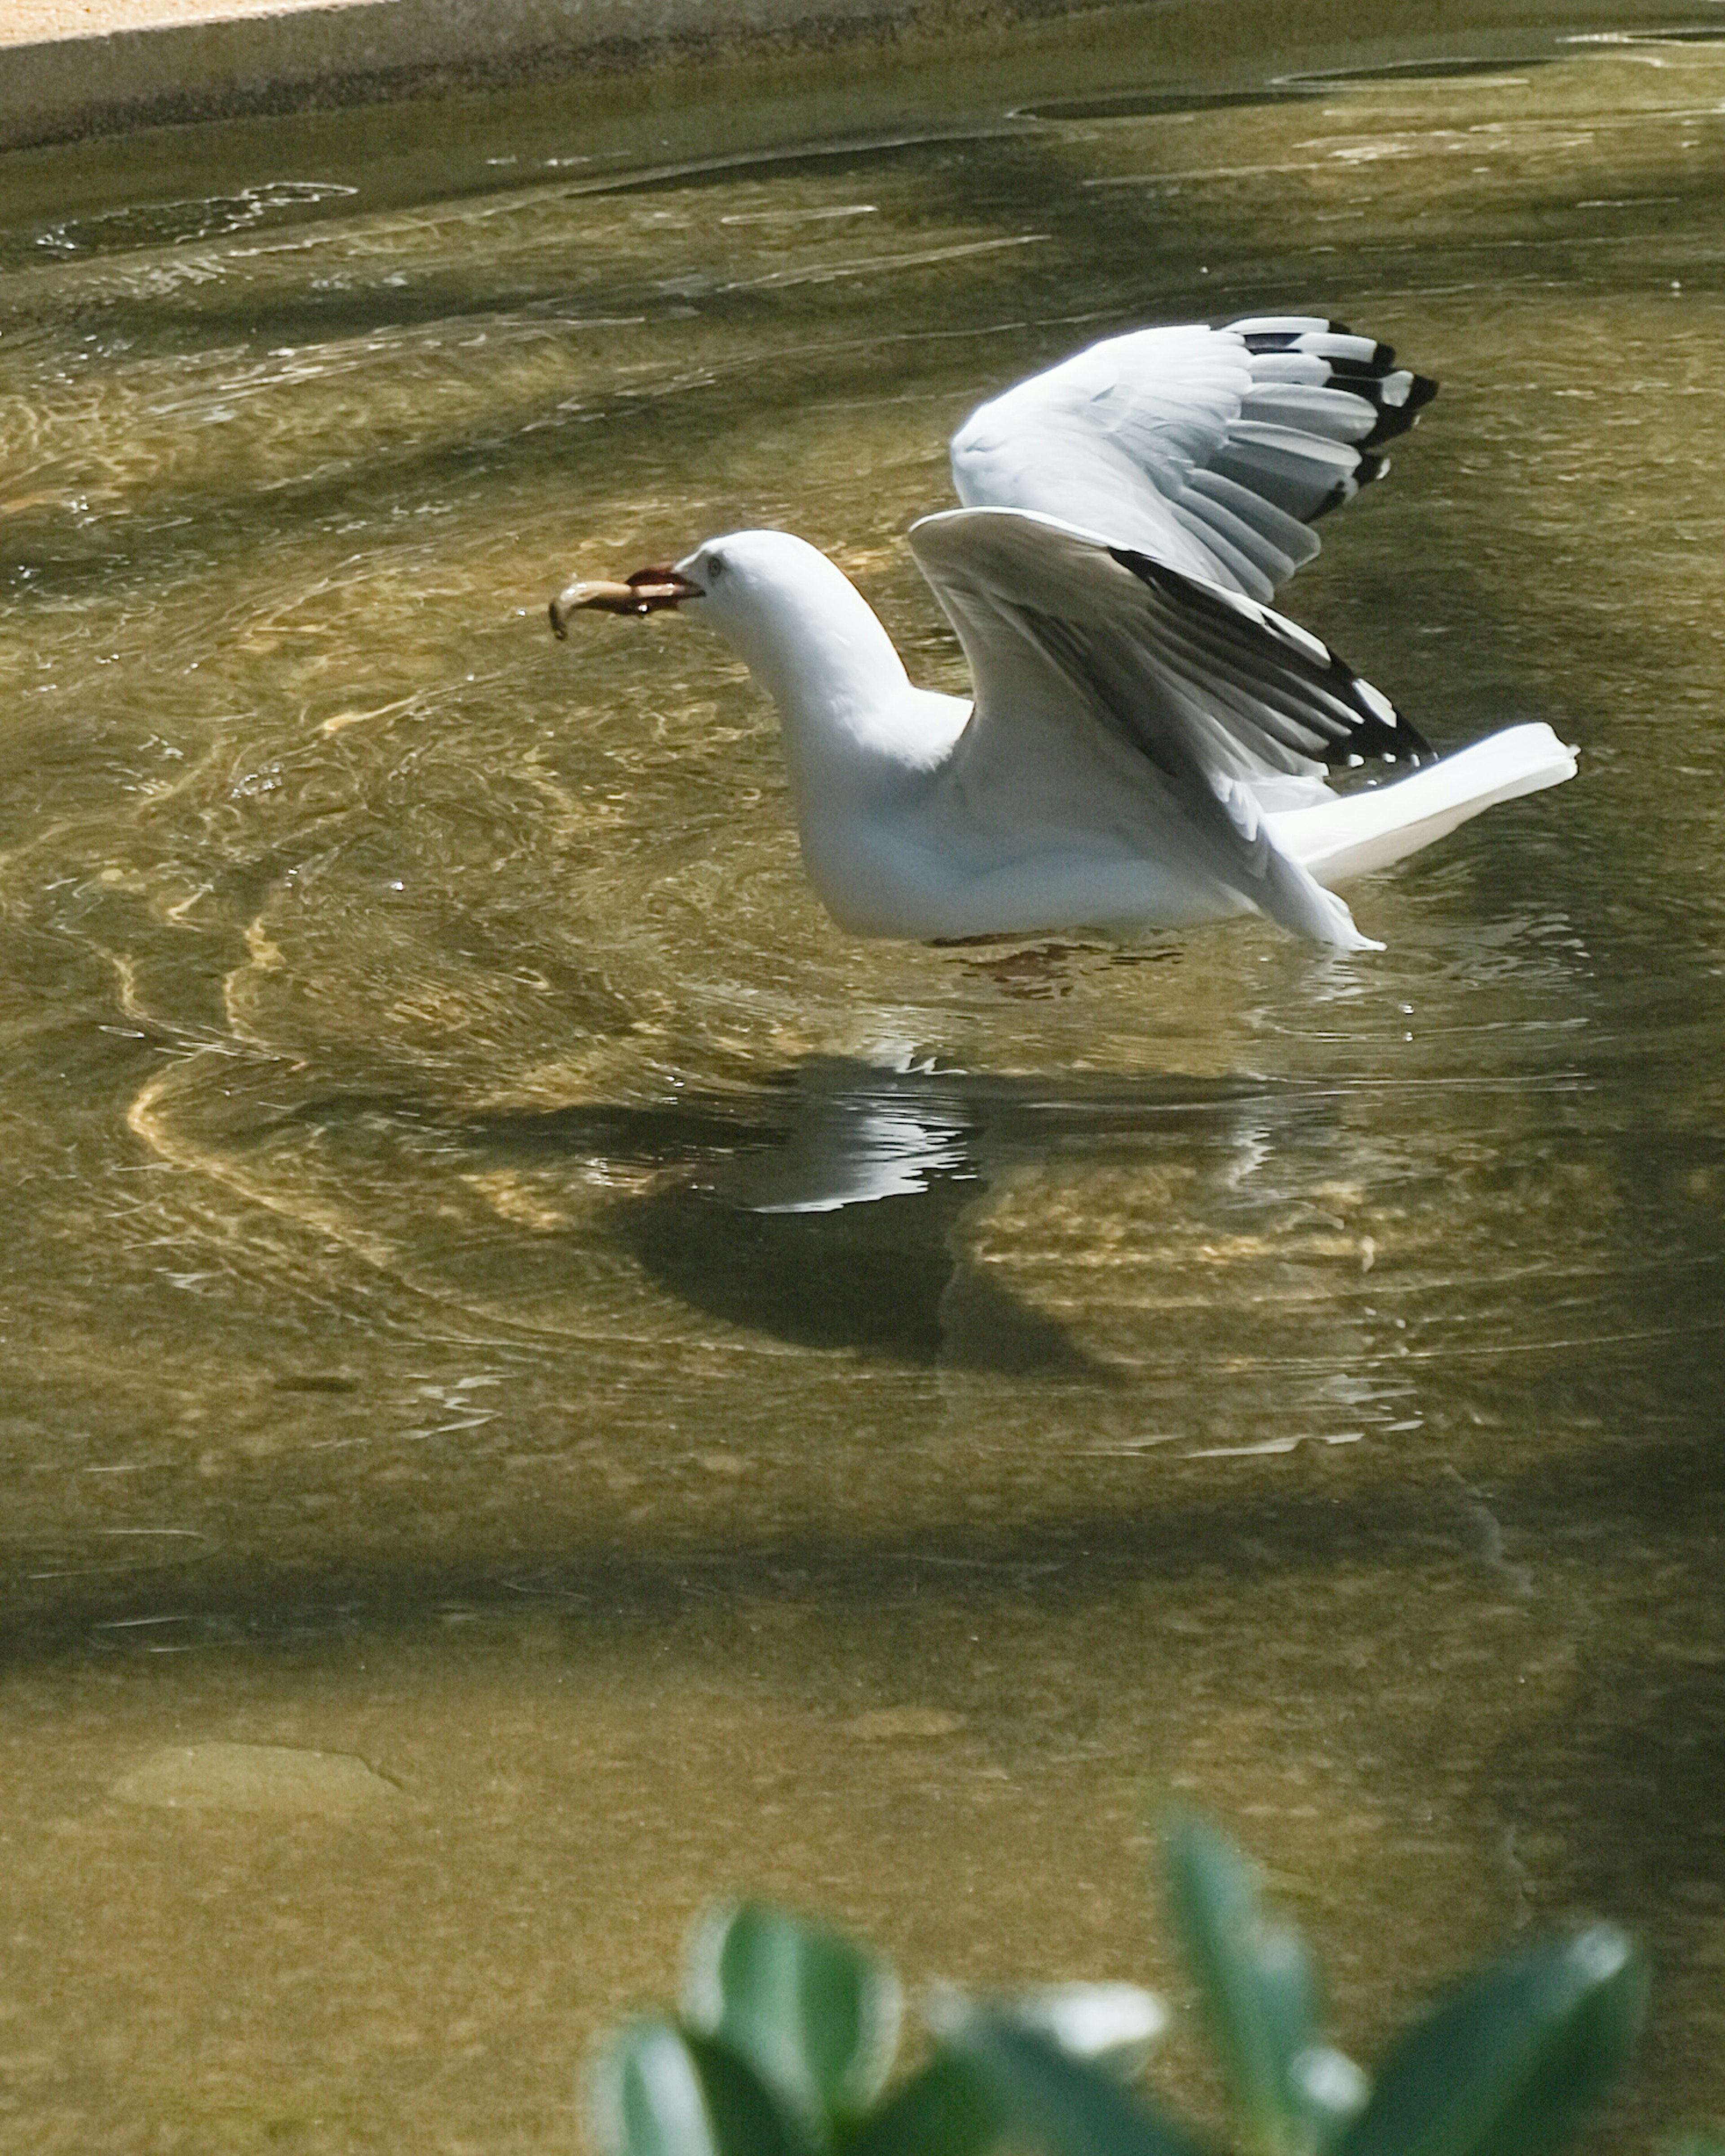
x=648 y=591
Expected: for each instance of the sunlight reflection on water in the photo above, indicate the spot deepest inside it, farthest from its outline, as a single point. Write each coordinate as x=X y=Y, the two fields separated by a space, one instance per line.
x=502 y=1290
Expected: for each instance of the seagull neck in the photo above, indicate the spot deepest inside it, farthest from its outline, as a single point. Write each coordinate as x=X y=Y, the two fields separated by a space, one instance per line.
x=840 y=687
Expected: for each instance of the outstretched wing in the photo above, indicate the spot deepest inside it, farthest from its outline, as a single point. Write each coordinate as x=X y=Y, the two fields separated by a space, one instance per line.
x=1095 y=667
x=1209 y=449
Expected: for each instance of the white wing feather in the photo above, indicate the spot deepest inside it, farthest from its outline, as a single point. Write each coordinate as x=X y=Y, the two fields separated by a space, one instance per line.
x=1209 y=449
x=1172 y=712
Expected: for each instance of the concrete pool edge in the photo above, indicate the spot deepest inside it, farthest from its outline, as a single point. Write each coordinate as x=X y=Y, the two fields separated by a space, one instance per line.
x=298 y=55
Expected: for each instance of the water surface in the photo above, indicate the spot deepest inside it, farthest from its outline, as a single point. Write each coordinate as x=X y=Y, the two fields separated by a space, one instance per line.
x=500 y=1289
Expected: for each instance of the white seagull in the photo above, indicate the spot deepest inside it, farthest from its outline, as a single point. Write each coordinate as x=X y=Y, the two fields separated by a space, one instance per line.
x=1148 y=743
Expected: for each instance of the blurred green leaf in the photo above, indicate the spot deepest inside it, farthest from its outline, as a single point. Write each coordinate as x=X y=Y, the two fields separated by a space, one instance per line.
x=944 y=2110
x=1259 y=1988
x=1063 y=2104
x=813 y=2013
x=789 y=2030
x=656 y=2090
x=1514 y=2060
x=947 y=2108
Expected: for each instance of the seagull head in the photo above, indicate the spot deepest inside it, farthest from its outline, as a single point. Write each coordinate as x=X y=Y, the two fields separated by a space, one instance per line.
x=737 y=577
x=795 y=618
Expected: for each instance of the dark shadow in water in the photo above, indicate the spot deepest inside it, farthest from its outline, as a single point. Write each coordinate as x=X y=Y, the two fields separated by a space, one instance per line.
x=1614 y=1794
x=1011 y=178
x=1019 y=179
x=1160 y=104
x=822 y=1211
x=1620 y=1787
x=1339 y=1518
x=1282 y=90
x=879 y=1280
x=1320 y=80
x=1647 y=1755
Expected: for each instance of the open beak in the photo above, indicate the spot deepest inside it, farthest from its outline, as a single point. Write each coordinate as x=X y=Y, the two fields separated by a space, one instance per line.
x=649 y=591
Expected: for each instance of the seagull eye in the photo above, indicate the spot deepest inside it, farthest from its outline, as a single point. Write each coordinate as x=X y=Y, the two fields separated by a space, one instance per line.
x=715 y=567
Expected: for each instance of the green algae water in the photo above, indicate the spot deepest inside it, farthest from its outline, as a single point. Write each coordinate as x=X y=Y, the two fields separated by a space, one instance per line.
x=541 y=1381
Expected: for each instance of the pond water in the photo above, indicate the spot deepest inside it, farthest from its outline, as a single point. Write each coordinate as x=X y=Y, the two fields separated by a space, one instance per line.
x=479 y=1479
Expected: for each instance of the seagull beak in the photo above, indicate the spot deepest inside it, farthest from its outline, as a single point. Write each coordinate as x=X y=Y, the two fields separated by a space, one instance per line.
x=649 y=591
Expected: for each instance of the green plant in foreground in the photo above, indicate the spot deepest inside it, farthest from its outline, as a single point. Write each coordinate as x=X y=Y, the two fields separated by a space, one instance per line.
x=784 y=2043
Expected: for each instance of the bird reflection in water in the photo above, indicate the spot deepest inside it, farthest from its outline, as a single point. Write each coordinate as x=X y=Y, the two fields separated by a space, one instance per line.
x=828 y=1207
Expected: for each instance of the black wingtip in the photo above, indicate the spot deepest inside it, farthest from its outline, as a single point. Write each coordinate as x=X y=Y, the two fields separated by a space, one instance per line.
x=1393 y=418
x=1383 y=735
x=1397 y=395
x=1423 y=389
x=1376 y=732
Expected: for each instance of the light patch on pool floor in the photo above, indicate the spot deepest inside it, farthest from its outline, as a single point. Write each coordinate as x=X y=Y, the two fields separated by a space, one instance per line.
x=882 y=1724
x=255 y=1778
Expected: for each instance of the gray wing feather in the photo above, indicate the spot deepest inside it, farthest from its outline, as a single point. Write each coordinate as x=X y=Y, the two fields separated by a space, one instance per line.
x=1209 y=449
x=1213 y=695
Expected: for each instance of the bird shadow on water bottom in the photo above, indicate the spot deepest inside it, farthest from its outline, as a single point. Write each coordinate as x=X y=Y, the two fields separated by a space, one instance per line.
x=885 y=1280
x=828 y=1209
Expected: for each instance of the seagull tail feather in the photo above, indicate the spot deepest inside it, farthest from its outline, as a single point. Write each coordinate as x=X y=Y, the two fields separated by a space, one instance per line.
x=1369 y=830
